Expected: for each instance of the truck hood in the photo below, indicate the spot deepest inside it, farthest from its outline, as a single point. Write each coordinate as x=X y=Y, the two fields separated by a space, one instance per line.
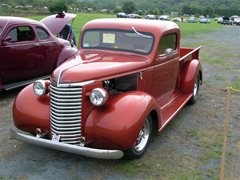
x=93 y=66
x=55 y=23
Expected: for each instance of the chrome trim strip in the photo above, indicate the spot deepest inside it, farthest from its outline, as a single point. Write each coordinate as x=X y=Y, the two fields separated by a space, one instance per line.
x=68 y=132
x=62 y=106
x=84 y=151
x=32 y=43
x=66 y=99
x=66 y=110
x=68 y=104
x=61 y=96
x=69 y=114
x=77 y=129
x=59 y=92
x=63 y=125
x=67 y=89
x=76 y=84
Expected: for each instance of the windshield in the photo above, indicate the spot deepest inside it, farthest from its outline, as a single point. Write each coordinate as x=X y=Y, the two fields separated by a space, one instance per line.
x=118 y=40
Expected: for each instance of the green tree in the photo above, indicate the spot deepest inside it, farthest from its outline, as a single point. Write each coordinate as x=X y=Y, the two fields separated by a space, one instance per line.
x=129 y=7
x=58 y=6
x=208 y=11
x=186 y=9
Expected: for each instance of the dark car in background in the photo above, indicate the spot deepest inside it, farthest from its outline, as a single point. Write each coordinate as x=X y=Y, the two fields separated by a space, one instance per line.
x=29 y=51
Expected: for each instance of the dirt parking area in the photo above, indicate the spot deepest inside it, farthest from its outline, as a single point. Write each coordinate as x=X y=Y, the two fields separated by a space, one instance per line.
x=189 y=148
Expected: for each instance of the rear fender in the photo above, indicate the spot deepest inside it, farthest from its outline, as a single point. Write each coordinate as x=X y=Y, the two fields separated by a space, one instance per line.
x=31 y=112
x=117 y=124
x=188 y=75
x=66 y=54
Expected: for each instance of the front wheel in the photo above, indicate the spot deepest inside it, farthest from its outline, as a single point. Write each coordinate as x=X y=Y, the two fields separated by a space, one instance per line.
x=193 y=99
x=142 y=141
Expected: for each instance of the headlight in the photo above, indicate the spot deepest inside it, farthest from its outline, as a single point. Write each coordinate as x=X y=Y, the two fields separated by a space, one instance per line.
x=98 y=97
x=39 y=87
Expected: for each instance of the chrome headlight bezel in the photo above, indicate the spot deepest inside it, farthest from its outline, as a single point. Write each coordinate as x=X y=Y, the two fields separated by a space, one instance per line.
x=98 y=96
x=40 y=88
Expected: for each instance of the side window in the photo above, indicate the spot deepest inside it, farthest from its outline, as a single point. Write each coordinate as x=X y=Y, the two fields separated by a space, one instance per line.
x=42 y=34
x=21 y=33
x=167 y=41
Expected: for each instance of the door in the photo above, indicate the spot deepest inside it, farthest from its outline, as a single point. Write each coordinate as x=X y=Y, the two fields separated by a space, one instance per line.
x=17 y=50
x=166 y=68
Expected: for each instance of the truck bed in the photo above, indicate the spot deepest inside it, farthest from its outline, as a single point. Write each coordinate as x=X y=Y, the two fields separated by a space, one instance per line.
x=189 y=53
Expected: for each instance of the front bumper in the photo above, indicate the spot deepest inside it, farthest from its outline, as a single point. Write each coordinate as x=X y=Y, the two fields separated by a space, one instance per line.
x=85 y=151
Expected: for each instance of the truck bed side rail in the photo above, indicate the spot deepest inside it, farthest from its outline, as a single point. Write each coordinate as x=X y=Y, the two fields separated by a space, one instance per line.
x=187 y=54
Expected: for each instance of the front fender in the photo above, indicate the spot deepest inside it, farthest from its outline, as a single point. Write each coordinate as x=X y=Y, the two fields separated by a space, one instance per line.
x=118 y=122
x=31 y=112
x=188 y=75
x=66 y=54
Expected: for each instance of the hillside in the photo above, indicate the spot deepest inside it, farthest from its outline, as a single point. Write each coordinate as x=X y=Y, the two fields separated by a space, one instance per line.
x=200 y=7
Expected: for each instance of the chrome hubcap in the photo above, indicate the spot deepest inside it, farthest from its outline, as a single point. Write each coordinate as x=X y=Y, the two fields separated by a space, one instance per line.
x=143 y=137
x=195 y=89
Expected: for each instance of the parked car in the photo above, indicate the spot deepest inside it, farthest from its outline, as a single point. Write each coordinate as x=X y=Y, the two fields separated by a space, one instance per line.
x=192 y=20
x=235 y=20
x=130 y=79
x=151 y=16
x=227 y=21
x=122 y=15
x=135 y=16
x=219 y=20
x=29 y=51
x=164 y=18
x=204 y=20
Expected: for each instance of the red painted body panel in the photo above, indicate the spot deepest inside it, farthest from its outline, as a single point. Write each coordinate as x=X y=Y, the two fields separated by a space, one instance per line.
x=26 y=60
x=103 y=64
x=110 y=126
x=31 y=112
x=188 y=75
x=164 y=84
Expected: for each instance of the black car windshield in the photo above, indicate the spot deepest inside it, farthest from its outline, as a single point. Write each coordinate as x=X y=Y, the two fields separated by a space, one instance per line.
x=118 y=40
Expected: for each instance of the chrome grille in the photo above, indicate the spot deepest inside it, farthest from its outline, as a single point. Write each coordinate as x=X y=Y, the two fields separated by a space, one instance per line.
x=66 y=112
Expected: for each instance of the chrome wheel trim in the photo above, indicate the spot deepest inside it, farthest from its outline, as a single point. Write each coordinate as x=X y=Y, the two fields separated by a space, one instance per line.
x=143 y=137
x=195 y=90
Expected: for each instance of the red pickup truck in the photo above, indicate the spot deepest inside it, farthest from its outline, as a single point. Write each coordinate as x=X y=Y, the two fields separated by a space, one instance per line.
x=129 y=80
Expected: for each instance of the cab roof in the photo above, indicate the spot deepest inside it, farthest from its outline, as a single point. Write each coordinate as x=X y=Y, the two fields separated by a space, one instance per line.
x=155 y=27
x=10 y=20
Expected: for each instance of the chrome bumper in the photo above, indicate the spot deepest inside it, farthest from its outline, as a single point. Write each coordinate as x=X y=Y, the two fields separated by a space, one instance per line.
x=85 y=151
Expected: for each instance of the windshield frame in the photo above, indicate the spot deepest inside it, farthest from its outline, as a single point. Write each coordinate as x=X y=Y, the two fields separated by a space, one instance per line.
x=118 y=49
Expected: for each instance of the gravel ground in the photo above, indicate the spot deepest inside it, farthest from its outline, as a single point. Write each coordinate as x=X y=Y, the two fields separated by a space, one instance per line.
x=189 y=148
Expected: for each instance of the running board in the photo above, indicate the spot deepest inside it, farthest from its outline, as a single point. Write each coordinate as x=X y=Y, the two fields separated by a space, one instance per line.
x=173 y=107
x=23 y=83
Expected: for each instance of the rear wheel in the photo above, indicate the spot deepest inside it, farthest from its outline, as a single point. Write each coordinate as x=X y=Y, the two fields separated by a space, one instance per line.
x=142 y=141
x=193 y=99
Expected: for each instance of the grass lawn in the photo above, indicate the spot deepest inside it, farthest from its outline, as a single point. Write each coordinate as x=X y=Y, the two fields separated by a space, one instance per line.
x=188 y=30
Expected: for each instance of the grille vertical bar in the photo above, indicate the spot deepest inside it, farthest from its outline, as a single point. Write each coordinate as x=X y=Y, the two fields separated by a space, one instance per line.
x=66 y=112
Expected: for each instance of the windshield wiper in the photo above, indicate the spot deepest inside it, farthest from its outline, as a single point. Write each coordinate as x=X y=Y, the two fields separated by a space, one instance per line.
x=140 y=34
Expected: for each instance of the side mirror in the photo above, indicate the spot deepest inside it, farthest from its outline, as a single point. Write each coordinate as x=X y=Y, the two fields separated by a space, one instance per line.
x=169 y=52
x=6 y=40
